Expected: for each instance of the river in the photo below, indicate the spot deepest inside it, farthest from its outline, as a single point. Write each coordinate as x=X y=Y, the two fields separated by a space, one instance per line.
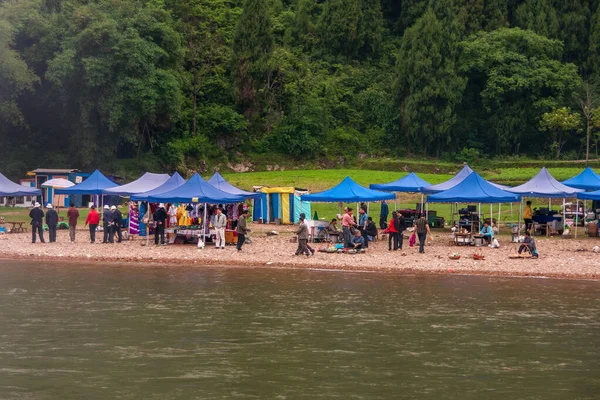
x=70 y=331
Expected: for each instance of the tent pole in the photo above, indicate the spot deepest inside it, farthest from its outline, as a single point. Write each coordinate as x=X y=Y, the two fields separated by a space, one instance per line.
x=491 y=214
x=499 y=216
x=549 y=209
x=479 y=222
x=421 y=203
x=204 y=224
x=564 y=216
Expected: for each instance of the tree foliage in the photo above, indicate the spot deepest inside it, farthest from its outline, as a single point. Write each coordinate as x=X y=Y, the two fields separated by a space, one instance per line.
x=190 y=82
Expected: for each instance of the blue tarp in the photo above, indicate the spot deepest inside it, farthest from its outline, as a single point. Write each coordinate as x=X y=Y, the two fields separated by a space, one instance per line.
x=96 y=183
x=586 y=180
x=172 y=183
x=196 y=190
x=348 y=191
x=220 y=183
x=544 y=185
x=8 y=188
x=410 y=183
x=145 y=183
x=474 y=189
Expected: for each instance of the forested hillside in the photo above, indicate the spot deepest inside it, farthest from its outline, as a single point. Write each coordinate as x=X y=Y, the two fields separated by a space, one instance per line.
x=189 y=83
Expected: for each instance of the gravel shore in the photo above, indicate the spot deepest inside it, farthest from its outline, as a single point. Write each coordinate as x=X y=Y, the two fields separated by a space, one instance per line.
x=559 y=258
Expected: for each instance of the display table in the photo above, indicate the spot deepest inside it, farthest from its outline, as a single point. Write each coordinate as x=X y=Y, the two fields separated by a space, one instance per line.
x=463 y=239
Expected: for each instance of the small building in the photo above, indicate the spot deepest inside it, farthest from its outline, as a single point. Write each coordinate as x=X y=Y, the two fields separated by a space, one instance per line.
x=279 y=205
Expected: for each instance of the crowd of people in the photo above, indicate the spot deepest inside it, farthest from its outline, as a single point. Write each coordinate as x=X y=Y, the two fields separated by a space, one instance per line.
x=356 y=234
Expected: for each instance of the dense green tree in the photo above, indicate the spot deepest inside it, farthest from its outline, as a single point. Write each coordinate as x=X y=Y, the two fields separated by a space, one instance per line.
x=561 y=123
x=520 y=76
x=539 y=16
x=429 y=87
x=252 y=46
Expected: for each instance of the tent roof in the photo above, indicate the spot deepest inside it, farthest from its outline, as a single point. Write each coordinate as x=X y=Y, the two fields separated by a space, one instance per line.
x=410 y=183
x=587 y=180
x=145 y=183
x=172 y=183
x=220 y=183
x=589 y=195
x=9 y=188
x=58 y=183
x=544 y=185
x=94 y=184
x=348 y=191
x=53 y=171
x=474 y=189
x=450 y=183
x=196 y=189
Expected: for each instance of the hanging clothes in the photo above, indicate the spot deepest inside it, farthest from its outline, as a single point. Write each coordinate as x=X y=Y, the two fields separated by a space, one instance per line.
x=172 y=215
x=134 y=219
x=142 y=213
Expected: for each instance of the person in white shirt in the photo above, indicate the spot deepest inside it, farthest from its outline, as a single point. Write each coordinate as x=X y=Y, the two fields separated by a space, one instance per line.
x=219 y=224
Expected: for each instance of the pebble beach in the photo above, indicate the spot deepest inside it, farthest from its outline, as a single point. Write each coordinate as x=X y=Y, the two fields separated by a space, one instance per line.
x=559 y=258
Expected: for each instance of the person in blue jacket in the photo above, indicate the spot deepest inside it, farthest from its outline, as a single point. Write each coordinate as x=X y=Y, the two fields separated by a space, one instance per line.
x=487 y=232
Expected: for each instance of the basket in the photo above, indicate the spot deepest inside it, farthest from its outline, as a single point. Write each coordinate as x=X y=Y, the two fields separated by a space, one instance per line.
x=454 y=256
x=478 y=256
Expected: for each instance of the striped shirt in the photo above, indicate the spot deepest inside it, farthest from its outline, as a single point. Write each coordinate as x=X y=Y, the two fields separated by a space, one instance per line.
x=421 y=225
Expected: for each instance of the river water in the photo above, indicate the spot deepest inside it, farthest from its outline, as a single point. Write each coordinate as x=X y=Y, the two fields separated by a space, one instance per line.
x=126 y=332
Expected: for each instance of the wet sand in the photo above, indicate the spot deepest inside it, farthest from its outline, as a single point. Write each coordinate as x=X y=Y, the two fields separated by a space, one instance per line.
x=559 y=258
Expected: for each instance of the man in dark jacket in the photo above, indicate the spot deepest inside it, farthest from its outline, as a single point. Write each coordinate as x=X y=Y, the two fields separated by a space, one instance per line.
x=160 y=216
x=52 y=222
x=108 y=221
x=118 y=222
x=383 y=215
x=401 y=228
x=242 y=230
x=37 y=222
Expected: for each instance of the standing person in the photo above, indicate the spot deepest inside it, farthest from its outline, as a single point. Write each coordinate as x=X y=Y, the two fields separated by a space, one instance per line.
x=108 y=221
x=220 y=223
x=422 y=228
x=37 y=221
x=528 y=217
x=393 y=232
x=363 y=220
x=52 y=222
x=302 y=232
x=347 y=224
x=383 y=215
x=73 y=215
x=312 y=251
x=160 y=216
x=242 y=229
x=118 y=222
x=401 y=229
x=93 y=219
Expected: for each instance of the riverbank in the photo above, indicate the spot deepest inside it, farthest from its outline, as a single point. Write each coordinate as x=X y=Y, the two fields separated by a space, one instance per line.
x=559 y=258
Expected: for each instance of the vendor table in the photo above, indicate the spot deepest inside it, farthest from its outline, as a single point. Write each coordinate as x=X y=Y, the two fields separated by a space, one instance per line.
x=463 y=239
x=17 y=227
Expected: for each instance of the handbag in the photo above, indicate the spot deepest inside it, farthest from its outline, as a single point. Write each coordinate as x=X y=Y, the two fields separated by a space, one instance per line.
x=412 y=240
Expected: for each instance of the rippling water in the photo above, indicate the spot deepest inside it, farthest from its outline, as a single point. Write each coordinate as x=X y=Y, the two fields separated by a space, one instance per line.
x=124 y=332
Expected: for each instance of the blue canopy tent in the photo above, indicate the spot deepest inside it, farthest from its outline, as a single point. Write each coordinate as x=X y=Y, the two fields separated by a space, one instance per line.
x=595 y=195
x=9 y=188
x=95 y=184
x=475 y=189
x=586 y=180
x=544 y=185
x=145 y=183
x=172 y=183
x=348 y=191
x=220 y=183
x=458 y=178
x=196 y=190
x=411 y=183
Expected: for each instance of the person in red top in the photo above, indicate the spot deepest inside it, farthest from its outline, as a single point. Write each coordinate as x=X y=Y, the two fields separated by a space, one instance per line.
x=93 y=219
x=73 y=215
x=393 y=232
